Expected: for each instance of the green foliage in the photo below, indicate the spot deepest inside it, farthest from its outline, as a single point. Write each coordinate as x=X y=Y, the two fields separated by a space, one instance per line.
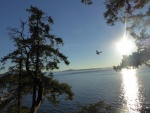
x=136 y=15
x=122 y=10
x=35 y=52
x=134 y=60
x=13 y=109
x=9 y=89
x=99 y=107
x=144 y=110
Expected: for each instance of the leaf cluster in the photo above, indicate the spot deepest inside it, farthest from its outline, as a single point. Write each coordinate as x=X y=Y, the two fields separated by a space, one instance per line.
x=134 y=60
x=119 y=10
x=99 y=107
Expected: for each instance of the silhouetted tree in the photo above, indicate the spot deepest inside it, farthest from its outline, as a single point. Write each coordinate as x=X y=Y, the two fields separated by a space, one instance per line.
x=39 y=51
x=136 y=15
x=12 y=80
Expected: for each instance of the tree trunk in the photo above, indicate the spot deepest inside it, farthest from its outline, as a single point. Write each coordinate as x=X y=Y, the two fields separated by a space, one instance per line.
x=34 y=92
x=36 y=68
x=19 y=86
x=39 y=97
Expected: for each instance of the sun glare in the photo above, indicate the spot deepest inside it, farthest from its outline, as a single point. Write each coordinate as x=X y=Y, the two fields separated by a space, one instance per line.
x=125 y=46
x=130 y=90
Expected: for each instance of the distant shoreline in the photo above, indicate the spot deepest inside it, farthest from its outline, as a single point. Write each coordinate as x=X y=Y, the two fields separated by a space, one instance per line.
x=85 y=69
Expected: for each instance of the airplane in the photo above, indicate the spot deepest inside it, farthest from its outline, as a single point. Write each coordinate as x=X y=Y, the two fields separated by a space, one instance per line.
x=98 y=52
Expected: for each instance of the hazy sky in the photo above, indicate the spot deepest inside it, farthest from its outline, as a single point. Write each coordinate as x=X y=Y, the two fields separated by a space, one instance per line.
x=82 y=28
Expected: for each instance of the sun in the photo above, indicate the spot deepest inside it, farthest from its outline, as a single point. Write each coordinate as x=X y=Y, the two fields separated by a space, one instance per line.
x=125 y=46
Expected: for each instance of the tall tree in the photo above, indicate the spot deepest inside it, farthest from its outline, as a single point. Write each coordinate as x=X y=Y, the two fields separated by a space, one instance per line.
x=39 y=52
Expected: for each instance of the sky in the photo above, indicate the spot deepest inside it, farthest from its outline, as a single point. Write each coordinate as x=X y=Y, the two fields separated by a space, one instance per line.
x=82 y=28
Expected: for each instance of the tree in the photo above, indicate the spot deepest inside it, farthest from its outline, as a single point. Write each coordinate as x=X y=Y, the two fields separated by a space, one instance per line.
x=135 y=14
x=38 y=51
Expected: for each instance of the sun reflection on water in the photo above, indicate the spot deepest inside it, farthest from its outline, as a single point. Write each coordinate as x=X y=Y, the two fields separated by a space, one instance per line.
x=130 y=91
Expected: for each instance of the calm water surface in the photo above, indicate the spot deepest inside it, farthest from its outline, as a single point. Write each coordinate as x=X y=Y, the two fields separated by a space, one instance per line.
x=127 y=91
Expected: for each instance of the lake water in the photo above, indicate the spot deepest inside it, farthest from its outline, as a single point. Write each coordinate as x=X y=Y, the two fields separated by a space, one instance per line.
x=126 y=91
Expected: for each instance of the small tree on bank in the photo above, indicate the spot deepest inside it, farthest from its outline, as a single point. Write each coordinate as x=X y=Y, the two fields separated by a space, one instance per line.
x=39 y=51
